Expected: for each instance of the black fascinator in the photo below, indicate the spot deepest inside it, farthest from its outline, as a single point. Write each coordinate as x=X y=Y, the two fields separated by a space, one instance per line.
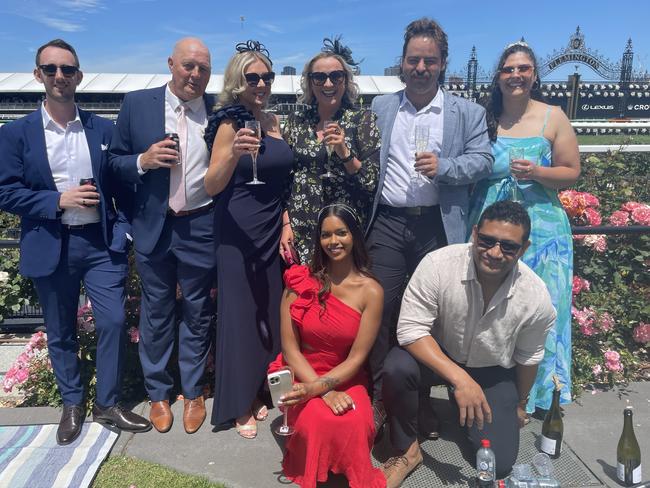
x=335 y=46
x=251 y=45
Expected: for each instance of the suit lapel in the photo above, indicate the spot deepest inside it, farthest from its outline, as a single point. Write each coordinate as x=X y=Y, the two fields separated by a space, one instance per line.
x=450 y=123
x=94 y=140
x=35 y=134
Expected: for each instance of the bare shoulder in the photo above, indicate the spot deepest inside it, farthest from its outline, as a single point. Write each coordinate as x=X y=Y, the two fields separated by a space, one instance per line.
x=371 y=289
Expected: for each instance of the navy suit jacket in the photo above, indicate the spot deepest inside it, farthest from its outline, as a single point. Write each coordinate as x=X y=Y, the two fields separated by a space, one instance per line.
x=466 y=156
x=27 y=189
x=140 y=124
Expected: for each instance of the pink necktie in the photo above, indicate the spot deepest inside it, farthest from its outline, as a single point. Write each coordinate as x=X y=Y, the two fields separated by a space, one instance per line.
x=177 y=197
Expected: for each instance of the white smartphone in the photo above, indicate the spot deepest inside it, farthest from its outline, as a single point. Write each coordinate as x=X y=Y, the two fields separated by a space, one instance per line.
x=280 y=383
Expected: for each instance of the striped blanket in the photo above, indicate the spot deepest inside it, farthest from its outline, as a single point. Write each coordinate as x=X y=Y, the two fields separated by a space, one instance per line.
x=31 y=458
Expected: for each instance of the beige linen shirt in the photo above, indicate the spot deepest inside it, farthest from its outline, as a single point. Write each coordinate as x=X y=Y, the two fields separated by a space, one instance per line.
x=444 y=299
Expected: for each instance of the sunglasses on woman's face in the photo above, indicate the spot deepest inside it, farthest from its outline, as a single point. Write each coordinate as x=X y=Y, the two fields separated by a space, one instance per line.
x=50 y=69
x=522 y=68
x=319 y=78
x=253 y=79
x=508 y=248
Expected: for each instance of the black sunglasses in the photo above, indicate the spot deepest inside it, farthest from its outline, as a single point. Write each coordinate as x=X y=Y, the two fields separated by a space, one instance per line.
x=66 y=69
x=253 y=79
x=508 y=248
x=522 y=68
x=319 y=78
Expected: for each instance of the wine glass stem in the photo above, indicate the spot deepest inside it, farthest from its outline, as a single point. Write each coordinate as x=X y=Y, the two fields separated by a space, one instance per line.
x=285 y=420
x=254 y=156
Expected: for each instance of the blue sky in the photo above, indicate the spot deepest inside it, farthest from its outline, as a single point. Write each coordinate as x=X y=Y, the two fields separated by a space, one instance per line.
x=136 y=36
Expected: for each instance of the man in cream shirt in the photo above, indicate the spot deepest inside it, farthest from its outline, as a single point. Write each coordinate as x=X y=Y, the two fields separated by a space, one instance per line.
x=475 y=318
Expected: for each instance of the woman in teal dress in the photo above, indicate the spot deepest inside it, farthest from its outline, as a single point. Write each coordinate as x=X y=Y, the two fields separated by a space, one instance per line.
x=518 y=118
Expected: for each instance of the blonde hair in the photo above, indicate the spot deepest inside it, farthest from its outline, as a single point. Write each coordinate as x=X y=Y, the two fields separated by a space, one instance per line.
x=351 y=88
x=234 y=81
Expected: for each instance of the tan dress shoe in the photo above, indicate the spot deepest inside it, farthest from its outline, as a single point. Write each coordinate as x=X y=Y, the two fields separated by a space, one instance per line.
x=193 y=414
x=397 y=468
x=161 y=416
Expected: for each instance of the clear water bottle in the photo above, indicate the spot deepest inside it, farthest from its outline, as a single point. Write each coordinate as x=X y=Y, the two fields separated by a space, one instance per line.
x=485 y=465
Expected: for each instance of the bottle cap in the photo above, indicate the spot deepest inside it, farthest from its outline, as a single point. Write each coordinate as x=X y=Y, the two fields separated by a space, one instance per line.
x=485 y=443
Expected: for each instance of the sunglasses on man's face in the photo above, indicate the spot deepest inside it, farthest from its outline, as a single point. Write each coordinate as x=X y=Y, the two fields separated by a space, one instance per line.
x=319 y=78
x=253 y=79
x=508 y=248
x=522 y=68
x=66 y=69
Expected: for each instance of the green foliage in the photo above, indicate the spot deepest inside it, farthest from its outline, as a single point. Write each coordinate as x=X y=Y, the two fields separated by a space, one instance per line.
x=618 y=276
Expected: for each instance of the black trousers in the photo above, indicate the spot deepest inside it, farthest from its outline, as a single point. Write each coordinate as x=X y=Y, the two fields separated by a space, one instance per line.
x=404 y=378
x=397 y=243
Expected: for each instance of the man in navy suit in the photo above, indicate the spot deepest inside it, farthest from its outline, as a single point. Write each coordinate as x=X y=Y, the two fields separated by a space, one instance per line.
x=172 y=226
x=71 y=232
x=422 y=196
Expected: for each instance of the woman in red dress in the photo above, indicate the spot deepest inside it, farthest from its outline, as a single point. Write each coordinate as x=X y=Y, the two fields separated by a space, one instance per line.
x=330 y=314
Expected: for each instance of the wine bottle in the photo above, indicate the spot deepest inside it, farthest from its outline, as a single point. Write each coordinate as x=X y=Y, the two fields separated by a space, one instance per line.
x=553 y=428
x=628 y=454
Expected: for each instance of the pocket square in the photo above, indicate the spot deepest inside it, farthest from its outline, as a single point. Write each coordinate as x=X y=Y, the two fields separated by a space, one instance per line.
x=104 y=147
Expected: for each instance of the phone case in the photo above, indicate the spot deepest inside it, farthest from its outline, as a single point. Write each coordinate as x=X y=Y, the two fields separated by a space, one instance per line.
x=280 y=383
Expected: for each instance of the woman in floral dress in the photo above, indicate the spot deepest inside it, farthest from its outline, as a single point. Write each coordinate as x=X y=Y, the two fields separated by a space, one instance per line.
x=329 y=93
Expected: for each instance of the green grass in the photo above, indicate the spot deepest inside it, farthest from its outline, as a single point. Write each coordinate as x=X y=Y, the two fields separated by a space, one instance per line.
x=123 y=472
x=607 y=139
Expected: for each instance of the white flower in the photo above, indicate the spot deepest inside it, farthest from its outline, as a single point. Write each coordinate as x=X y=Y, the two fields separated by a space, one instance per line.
x=4 y=276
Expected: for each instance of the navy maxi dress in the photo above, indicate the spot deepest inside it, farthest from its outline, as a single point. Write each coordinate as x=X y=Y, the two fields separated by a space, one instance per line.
x=249 y=276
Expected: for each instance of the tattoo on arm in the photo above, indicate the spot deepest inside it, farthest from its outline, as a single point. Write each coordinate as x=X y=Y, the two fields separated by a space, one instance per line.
x=328 y=382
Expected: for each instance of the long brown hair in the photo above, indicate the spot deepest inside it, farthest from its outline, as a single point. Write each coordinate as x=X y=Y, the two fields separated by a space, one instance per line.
x=320 y=262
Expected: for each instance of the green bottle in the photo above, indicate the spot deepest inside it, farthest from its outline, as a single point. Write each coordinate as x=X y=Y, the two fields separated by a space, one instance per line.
x=553 y=428
x=628 y=454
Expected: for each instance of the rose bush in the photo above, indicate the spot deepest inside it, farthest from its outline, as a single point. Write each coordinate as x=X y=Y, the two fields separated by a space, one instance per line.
x=611 y=289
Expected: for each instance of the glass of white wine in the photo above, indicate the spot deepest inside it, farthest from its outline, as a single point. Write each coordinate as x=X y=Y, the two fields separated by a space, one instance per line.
x=516 y=154
x=254 y=125
x=421 y=136
x=328 y=148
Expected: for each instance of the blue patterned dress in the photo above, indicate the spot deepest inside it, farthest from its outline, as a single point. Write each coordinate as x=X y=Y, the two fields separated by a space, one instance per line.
x=550 y=254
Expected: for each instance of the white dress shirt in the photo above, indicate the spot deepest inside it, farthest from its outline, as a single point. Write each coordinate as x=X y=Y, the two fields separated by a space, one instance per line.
x=402 y=185
x=69 y=159
x=445 y=300
x=197 y=158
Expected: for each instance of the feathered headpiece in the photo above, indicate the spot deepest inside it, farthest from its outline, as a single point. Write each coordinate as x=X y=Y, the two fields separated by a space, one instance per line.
x=335 y=46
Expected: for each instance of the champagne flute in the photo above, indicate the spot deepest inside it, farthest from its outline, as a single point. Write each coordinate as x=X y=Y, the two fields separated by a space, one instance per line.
x=328 y=149
x=254 y=125
x=515 y=154
x=421 y=136
x=285 y=429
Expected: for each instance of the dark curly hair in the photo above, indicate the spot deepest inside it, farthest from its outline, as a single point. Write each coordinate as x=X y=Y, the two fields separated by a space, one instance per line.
x=426 y=27
x=493 y=103
x=507 y=211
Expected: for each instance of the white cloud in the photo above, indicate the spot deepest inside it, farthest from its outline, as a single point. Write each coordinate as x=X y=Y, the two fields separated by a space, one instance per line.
x=61 y=15
x=271 y=27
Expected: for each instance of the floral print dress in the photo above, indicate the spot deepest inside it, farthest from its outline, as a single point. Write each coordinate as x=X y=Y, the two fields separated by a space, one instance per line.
x=308 y=192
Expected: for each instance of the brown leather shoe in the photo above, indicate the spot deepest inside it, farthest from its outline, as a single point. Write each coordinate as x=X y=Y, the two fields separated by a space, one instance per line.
x=193 y=414
x=161 y=416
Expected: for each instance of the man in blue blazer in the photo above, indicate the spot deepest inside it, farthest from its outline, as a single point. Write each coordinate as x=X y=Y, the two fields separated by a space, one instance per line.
x=423 y=192
x=173 y=226
x=71 y=232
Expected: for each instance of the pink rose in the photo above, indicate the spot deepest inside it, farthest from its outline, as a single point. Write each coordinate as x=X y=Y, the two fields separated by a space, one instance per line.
x=21 y=375
x=613 y=361
x=619 y=218
x=579 y=285
x=590 y=199
x=629 y=206
x=641 y=333
x=598 y=242
x=597 y=370
x=593 y=216
x=641 y=215
x=606 y=322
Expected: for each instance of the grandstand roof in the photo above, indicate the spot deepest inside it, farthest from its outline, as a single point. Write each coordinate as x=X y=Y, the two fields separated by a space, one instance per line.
x=126 y=82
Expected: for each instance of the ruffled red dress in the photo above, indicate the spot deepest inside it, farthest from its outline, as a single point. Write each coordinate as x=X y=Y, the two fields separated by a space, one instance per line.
x=322 y=441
